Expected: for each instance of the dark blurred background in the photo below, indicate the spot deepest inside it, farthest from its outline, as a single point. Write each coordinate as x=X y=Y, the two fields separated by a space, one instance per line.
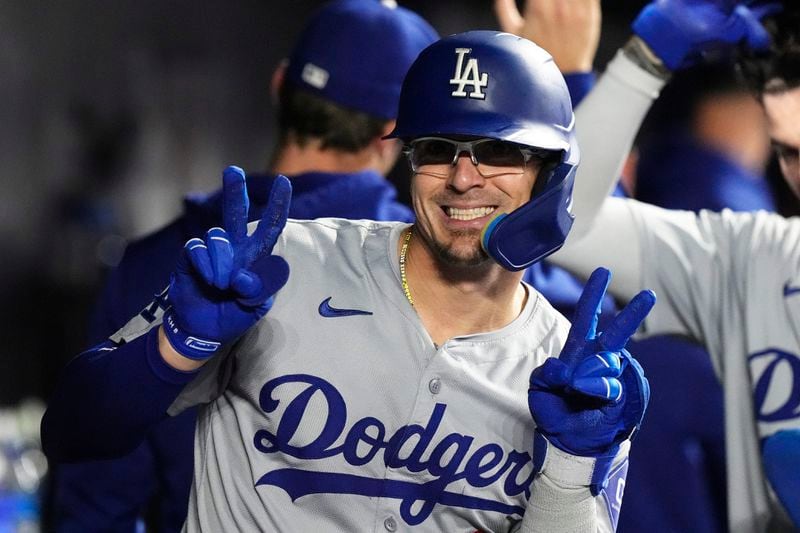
x=109 y=113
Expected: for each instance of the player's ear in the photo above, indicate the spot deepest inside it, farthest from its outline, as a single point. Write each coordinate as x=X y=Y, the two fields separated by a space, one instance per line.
x=278 y=75
x=388 y=127
x=387 y=150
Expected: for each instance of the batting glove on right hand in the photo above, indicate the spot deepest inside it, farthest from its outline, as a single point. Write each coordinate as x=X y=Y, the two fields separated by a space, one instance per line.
x=679 y=32
x=222 y=286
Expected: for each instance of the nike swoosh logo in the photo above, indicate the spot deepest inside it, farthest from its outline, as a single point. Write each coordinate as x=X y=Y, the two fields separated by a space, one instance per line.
x=328 y=311
x=788 y=290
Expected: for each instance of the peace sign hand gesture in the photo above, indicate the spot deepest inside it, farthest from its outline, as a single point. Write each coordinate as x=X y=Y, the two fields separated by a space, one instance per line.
x=593 y=396
x=224 y=284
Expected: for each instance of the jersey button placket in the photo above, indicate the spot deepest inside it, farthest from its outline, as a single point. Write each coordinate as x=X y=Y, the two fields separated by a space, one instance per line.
x=435 y=385
x=390 y=524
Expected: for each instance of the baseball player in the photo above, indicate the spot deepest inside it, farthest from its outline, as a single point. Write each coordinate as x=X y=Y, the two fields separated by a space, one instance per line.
x=727 y=279
x=336 y=100
x=402 y=377
x=704 y=139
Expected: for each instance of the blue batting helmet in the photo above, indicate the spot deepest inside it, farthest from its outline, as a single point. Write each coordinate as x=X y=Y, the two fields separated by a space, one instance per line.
x=500 y=86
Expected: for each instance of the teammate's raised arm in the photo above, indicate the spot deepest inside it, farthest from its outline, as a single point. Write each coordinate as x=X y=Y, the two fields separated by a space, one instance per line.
x=725 y=278
x=544 y=22
x=668 y=34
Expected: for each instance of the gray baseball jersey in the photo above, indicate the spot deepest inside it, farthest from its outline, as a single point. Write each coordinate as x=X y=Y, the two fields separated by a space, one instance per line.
x=732 y=280
x=337 y=412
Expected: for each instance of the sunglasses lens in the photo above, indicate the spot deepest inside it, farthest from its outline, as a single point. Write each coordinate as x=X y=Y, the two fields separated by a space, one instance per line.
x=497 y=157
x=433 y=152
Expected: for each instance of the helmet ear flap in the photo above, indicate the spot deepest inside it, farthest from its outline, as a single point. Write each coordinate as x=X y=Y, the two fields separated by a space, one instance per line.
x=534 y=230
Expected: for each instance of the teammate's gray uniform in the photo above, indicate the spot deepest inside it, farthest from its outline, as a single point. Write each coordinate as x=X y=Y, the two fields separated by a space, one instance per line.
x=728 y=280
x=307 y=403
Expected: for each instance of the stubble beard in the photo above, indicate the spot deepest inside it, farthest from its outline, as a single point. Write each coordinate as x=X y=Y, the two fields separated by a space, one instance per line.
x=448 y=256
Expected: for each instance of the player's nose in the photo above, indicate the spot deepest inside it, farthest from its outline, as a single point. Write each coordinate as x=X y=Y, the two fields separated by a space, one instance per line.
x=464 y=174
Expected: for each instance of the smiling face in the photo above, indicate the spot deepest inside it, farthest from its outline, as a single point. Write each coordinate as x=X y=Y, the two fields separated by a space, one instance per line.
x=783 y=122
x=451 y=212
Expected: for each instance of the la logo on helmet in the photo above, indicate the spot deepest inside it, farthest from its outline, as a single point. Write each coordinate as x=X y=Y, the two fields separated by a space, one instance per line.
x=468 y=75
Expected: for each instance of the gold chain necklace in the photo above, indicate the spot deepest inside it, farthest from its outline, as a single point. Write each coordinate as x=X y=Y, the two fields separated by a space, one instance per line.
x=403 y=279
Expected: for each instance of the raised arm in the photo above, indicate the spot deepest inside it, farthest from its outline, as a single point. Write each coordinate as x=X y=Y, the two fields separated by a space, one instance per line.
x=224 y=284
x=669 y=34
x=587 y=404
x=546 y=21
x=109 y=397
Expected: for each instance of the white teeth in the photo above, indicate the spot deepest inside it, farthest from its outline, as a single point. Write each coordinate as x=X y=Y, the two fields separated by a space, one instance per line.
x=468 y=214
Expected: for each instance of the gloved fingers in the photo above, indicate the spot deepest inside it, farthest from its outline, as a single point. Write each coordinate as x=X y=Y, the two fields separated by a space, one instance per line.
x=637 y=389
x=272 y=222
x=584 y=321
x=235 y=203
x=552 y=374
x=196 y=253
x=603 y=388
x=627 y=321
x=257 y=285
x=246 y=285
x=220 y=251
x=756 y=35
x=602 y=364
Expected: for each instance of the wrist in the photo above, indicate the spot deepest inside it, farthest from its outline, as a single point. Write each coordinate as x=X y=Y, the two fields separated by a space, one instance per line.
x=186 y=344
x=172 y=357
x=569 y=470
x=639 y=52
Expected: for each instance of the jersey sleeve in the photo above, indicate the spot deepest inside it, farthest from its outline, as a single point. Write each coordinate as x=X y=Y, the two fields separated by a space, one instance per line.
x=606 y=122
x=108 y=398
x=684 y=260
x=701 y=266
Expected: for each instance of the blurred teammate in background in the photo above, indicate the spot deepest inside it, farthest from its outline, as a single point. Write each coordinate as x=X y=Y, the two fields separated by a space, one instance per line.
x=726 y=279
x=703 y=145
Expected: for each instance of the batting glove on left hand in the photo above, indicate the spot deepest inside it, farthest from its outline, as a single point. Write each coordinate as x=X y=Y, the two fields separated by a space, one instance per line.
x=593 y=396
x=225 y=284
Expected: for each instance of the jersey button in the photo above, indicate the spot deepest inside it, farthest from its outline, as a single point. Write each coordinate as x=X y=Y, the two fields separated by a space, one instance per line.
x=390 y=524
x=435 y=385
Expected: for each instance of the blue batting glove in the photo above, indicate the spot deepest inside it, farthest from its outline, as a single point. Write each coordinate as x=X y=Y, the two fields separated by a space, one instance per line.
x=594 y=395
x=226 y=283
x=780 y=456
x=680 y=32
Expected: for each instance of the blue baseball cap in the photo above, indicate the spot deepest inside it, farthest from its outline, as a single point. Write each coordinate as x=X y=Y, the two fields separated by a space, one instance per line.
x=357 y=52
